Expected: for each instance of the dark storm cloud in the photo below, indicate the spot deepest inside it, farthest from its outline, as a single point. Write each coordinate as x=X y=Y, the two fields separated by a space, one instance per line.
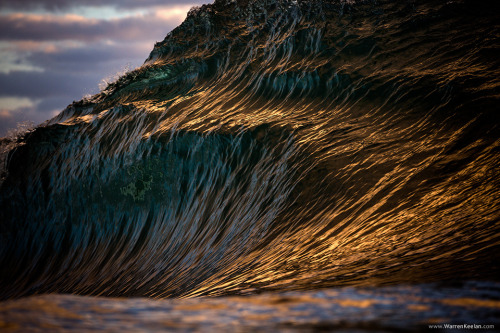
x=52 y=104
x=96 y=57
x=64 y=4
x=20 y=26
x=45 y=84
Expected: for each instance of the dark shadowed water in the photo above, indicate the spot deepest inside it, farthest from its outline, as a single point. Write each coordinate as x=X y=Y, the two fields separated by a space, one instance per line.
x=272 y=146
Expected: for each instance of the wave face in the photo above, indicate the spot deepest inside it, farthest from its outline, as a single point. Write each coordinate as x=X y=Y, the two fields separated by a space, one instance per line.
x=270 y=145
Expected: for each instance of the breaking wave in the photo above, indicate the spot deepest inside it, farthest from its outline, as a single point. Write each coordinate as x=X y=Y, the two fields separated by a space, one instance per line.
x=270 y=145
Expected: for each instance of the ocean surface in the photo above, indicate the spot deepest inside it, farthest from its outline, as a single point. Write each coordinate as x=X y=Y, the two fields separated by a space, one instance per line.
x=338 y=157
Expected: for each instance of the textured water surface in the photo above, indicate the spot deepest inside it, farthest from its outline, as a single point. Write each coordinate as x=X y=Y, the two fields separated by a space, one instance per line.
x=404 y=308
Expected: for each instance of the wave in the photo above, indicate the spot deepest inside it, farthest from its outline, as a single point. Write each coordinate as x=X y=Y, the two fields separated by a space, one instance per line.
x=269 y=145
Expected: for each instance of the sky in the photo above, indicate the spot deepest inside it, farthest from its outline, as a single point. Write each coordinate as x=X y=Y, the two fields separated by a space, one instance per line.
x=53 y=52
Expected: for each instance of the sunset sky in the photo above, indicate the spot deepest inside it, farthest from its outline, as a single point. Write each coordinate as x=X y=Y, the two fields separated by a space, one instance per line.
x=55 y=51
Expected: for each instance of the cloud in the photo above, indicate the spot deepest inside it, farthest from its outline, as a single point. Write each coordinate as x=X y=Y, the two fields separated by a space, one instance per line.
x=14 y=103
x=100 y=57
x=65 y=4
x=39 y=27
x=45 y=84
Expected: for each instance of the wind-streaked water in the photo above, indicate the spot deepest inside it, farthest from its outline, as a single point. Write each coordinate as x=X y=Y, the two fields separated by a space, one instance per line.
x=388 y=309
x=270 y=146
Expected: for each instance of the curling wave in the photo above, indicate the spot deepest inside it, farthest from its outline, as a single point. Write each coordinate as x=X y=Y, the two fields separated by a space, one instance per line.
x=269 y=145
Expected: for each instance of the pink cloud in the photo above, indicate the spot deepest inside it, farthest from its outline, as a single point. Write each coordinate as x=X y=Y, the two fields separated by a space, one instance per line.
x=38 y=27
